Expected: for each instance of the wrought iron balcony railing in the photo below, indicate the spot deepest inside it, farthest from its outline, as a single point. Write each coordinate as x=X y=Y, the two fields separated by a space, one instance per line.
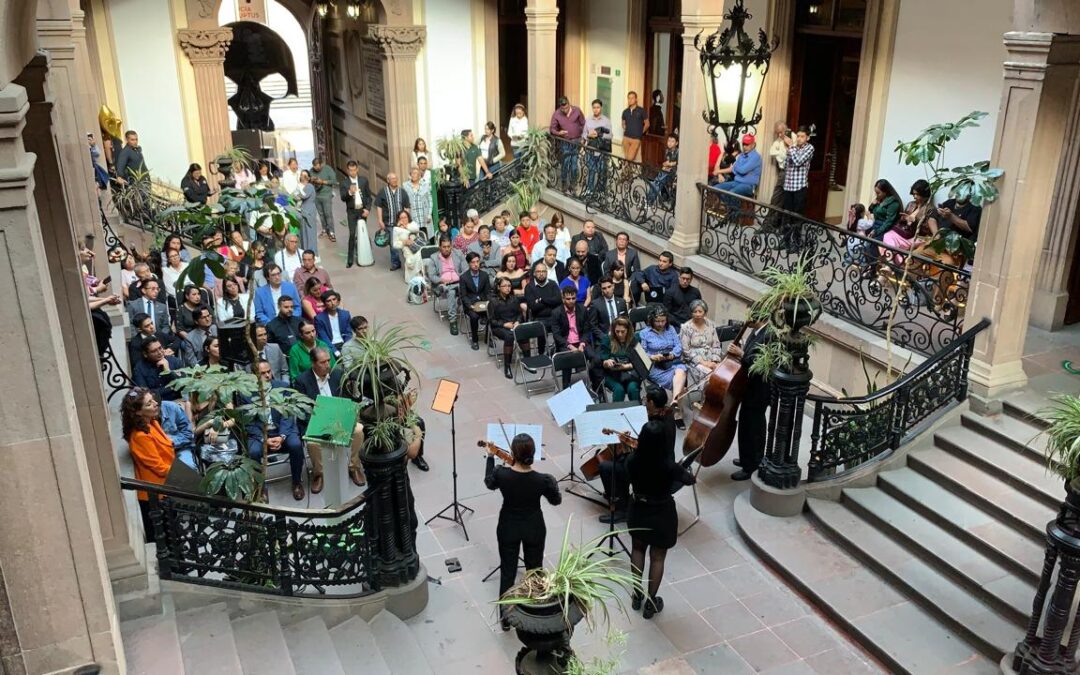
x=485 y=195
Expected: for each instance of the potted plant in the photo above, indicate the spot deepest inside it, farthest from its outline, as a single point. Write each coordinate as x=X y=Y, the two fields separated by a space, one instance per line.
x=790 y=304
x=226 y=160
x=536 y=163
x=1063 y=440
x=548 y=603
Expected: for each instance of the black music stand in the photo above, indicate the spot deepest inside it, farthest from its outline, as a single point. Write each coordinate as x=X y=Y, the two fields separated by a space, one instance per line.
x=445 y=401
x=612 y=536
x=565 y=404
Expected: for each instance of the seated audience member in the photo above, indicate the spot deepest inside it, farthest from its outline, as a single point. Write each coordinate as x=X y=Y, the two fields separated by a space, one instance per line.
x=595 y=241
x=323 y=380
x=621 y=283
x=127 y=275
x=662 y=275
x=608 y=306
x=860 y=221
x=624 y=254
x=142 y=273
x=551 y=238
x=960 y=215
x=300 y=354
x=270 y=352
x=542 y=298
x=173 y=242
x=742 y=176
x=154 y=371
x=678 y=298
x=590 y=262
x=469 y=232
x=309 y=269
x=614 y=355
x=284 y=329
x=574 y=330
x=530 y=232
x=289 y=258
x=170 y=344
x=701 y=346
x=232 y=306
x=577 y=282
x=185 y=314
x=555 y=268
x=500 y=232
x=256 y=263
x=662 y=344
x=516 y=249
x=490 y=258
x=332 y=325
x=148 y=304
x=444 y=270
x=919 y=216
x=353 y=350
x=483 y=233
x=204 y=330
x=266 y=297
x=177 y=427
x=152 y=451
x=311 y=302
x=282 y=433
x=517 y=275
x=211 y=353
x=504 y=315
x=170 y=274
x=238 y=246
x=474 y=287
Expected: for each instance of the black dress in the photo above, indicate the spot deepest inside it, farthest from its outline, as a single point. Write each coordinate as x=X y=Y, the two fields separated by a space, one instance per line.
x=521 y=522
x=504 y=311
x=652 y=468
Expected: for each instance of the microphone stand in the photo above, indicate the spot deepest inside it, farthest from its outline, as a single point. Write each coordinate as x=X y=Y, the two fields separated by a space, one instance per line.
x=455 y=506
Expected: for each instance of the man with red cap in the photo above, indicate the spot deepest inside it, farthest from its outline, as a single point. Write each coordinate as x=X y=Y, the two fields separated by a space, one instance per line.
x=744 y=174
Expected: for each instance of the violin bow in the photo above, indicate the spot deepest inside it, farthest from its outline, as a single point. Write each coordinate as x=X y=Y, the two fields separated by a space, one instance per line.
x=631 y=434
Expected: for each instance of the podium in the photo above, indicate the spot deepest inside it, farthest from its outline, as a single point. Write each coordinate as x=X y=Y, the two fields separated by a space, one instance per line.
x=331 y=426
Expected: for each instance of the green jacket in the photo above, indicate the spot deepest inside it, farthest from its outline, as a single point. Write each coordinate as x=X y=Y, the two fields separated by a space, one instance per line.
x=885 y=216
x=300 y=359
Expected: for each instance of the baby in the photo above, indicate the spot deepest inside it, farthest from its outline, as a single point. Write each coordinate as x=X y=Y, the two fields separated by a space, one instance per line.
x=862 y=221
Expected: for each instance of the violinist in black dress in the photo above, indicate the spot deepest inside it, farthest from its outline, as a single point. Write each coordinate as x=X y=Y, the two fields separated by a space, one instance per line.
x=521 y=522
x=652 y=519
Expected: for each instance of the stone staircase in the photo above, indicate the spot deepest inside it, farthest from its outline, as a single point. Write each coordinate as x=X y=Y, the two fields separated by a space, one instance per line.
x=933 y=568
x=226 y=638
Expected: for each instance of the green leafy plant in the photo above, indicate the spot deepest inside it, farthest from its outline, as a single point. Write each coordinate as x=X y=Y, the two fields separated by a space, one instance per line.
x=236 y=154
x=240 y=479
x=535 y=155
x=599 y=665
x=588 y=576
x=794 y=286
x=452 y=150
x=770 y=356
x=1063 y=436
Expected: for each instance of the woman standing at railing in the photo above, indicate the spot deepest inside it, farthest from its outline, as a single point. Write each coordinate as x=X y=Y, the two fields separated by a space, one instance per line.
x=492 y=147
x=517 y=129
x=152 y=450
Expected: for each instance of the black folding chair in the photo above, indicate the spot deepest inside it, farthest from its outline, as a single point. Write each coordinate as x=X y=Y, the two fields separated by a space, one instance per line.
x=576 y=364
x=533 y=364
x=638 y=317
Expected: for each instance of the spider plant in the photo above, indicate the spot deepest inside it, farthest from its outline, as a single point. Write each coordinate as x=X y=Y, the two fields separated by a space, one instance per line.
x=794 y=286
x=599 y=665
x=452 y=150
x=588 y=576
x=383 y=369
x=1063 y=436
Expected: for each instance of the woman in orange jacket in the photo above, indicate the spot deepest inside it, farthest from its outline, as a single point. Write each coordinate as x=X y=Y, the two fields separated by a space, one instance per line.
x=151 y=449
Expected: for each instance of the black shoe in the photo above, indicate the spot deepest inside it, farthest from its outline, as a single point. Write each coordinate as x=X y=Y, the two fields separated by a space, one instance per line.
x=737 y=462
x=609 y=518
x=395 y=269
x=421 y=464
x=475 y=346
x=635 y=601
x=653 y=607
x=505 y=624
x=680 y=424
x=348 y=265
x=507 y=372
x=742 y=474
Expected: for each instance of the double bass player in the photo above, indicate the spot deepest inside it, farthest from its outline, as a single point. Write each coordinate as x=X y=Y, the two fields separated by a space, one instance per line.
x=756 y=397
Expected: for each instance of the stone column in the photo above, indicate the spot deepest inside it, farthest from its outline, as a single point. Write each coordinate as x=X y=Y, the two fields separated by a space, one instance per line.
x=1040 y=74
x=206 y=48
x=774 y=97
x=400 y=45
x=541 y=21
x=59 y=603
x=698 y=16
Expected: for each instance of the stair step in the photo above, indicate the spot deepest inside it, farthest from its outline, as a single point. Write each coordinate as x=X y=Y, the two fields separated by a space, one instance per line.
x=260 y=643
x=1023 y=473
x=355 y=645
x=405 y=655
x=311 y=649
x=990 y=493
x=206 y=641
x=152 y=646
x=1011 y=432
x=863 y=603
x=1027 y=405
x=991 y=583
x=979 y=529
x=978 y=623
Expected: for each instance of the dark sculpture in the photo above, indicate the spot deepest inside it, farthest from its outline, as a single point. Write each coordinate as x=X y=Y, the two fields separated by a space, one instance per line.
x=255 y=53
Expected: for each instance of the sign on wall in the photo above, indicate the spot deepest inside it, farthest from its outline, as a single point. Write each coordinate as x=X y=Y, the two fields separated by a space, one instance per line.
x=374 y=94
x=251 y=10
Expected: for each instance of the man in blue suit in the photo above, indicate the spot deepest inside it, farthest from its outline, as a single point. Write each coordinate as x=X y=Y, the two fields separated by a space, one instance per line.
x=283 y=434
x=266 y=298
x=332 y=325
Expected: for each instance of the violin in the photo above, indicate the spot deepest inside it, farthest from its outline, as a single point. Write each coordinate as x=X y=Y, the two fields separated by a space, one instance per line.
x=713 y=428
x=496 y=451
x=590 y=469
x=624 y=437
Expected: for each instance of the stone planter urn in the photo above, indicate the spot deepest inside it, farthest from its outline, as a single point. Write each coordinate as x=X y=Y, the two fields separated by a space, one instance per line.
x=545 y=629
x=394 y=518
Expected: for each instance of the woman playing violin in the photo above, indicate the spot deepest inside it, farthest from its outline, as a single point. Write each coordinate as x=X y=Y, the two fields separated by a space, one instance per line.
x=521 y=522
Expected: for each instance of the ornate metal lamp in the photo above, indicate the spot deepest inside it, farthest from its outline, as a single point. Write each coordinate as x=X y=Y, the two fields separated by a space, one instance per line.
x=352 y=9
x=322 y=7
x=734 y=69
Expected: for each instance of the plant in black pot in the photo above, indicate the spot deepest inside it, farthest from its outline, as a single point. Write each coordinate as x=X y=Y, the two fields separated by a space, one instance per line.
x=790 y=304
x=549 y=602
x=1063 y=440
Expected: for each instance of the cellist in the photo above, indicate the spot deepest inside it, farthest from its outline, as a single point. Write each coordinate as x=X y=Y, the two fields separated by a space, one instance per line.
x=753 y=423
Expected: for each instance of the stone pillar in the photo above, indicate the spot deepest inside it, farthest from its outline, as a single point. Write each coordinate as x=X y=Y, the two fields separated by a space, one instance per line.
x=541 y=21
x=400 y=46
x=1040 y=74
x=59 y=603
x=698 y=16
x=774 y=97
x=206 y=48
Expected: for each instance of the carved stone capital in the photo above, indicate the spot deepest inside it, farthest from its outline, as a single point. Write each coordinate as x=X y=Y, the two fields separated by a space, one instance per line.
x=398 y=40
x=205 y=45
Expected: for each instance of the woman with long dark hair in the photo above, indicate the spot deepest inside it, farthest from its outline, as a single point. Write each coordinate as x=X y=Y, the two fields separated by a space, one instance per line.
x=885 y=207
x=521 y=528
x=504 y=314
x=173 y=242
x=919 y=217
x=211 y=352
x=152 y=450
x=516 y=275
x=196 y=189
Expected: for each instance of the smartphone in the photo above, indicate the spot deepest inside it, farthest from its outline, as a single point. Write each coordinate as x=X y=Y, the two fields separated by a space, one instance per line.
x=107 y=280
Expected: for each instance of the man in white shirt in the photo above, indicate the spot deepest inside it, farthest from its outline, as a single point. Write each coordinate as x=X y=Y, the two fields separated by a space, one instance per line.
x=290 y=258
x=778 y=154
x=290 y=179
x=551 y=233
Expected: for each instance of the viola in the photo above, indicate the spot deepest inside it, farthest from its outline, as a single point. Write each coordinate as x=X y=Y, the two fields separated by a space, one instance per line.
x=496 y=451
x=713 y=428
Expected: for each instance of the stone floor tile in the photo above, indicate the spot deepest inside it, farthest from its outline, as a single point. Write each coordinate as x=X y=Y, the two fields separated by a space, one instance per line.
x=720 y=659
x=806 y=636
x=717 y=554
x=793 y=668
x=675 y=666
x=704 y=591
x=732 y=620
x=842 y=660
x=689 y=632
x=772 y=606
x=743 y=580
x=763 y=650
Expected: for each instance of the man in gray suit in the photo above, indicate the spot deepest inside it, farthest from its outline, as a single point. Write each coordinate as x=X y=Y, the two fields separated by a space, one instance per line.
x=444 y=270
x=622 y=251
x=270 y=352
x=148 y=304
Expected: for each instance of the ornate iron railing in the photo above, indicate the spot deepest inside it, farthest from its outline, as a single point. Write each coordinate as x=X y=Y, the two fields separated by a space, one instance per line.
x=919 y=301
x=273 y=550
x=632 y=192
x=486 y=194
x=849 y=432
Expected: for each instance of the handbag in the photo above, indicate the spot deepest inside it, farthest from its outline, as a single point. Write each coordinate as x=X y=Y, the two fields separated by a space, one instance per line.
x=382 y=238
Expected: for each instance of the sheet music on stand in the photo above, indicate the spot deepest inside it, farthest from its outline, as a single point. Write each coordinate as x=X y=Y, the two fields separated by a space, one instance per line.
x=569 y=403
x=590 y=424
x=535 y=431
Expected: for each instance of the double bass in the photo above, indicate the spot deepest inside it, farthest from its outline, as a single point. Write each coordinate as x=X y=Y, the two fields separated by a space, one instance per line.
x=713 y=428
x=591 y=468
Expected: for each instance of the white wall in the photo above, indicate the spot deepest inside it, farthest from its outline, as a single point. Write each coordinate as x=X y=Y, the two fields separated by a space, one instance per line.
x=606 y=45
x=146 y=60
x=445 y=83
x=947 y=62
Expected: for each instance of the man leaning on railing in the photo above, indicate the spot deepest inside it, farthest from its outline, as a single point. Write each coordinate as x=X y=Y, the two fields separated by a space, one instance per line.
x=597 y=138
x=567 y=124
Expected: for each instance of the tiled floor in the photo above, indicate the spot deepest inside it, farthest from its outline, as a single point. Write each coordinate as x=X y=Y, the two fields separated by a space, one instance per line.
x=725 y=612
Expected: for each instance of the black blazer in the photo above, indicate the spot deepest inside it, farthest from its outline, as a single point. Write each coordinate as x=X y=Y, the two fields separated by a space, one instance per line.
x=633 y=262
x=758 y=391
x=560 y=328
x=599 y=308
x=470 y=292
x=592 y=268
x=365 y=190
x=307 y=385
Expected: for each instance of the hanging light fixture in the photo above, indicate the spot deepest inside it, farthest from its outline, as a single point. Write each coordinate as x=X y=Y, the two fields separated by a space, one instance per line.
x=322 y=7
x=353 y=9
x=734 y=69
